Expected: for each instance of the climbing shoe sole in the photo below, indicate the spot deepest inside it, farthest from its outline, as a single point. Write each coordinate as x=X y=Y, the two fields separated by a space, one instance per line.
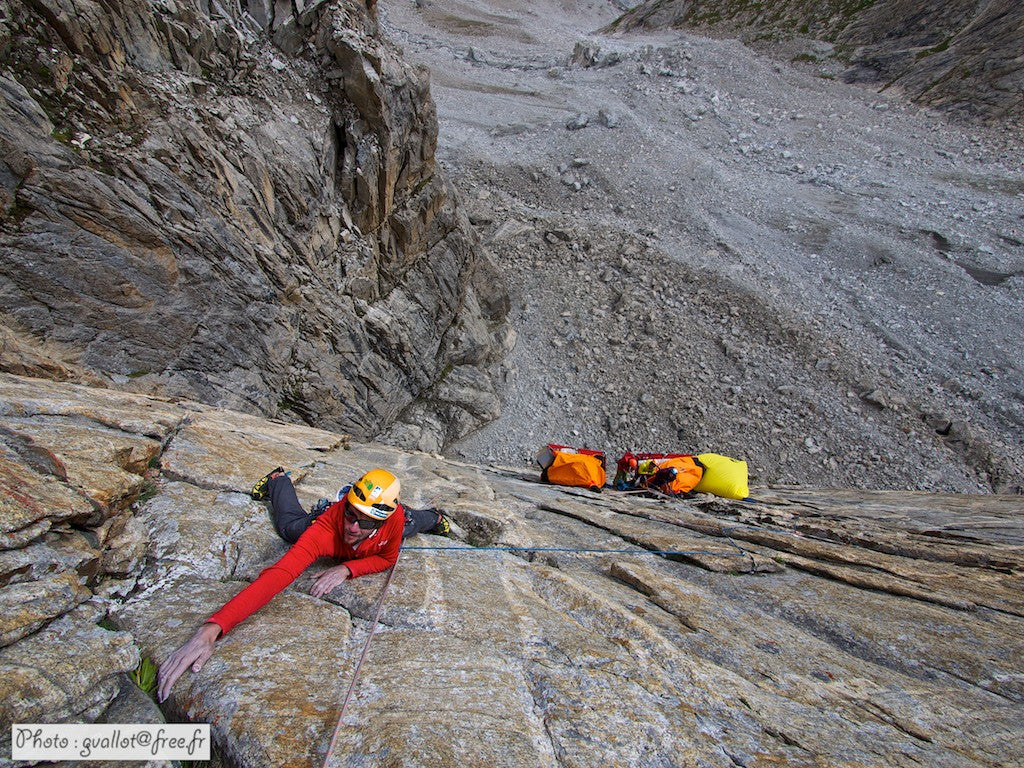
x=259 y=490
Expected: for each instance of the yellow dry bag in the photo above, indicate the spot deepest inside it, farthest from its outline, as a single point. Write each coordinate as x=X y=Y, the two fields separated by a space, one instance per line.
x=723 y=476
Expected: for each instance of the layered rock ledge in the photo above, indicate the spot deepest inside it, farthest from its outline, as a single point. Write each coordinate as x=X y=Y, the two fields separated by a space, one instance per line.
x=560 y=628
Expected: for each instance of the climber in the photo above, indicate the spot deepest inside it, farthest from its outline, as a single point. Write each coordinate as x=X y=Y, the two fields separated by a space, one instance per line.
x=645 y=470
x=625 y=470
x=663 y=479
x=291 y=520
x=364 y=529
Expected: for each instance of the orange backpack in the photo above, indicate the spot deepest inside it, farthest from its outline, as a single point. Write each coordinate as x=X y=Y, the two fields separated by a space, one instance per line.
x=581 y=468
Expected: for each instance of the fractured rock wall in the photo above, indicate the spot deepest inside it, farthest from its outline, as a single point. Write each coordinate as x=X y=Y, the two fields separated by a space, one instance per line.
x=242 y=209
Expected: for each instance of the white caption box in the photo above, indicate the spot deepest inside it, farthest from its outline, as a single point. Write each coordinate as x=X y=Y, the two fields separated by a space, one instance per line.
x=110 y=741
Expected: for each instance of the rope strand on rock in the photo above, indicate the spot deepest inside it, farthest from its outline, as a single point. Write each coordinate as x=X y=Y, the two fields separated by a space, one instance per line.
x=576 y=550
x=359 y=664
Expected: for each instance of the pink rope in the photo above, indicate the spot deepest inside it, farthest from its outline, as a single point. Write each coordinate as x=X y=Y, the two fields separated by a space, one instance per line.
x=359 y=664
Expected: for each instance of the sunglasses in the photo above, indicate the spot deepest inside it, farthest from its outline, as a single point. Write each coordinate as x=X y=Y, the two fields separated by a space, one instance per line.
x=365 y=523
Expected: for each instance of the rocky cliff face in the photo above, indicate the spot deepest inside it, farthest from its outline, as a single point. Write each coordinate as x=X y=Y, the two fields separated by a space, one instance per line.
x=963 y=55
x=239 y=205
x=560 y=628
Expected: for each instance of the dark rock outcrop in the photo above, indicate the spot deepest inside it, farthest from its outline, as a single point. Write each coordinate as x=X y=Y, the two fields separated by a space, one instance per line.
x=239 y=208
x=961 y=55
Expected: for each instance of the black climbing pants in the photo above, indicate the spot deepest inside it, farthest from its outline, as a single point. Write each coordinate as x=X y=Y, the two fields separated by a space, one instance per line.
x=291 y=519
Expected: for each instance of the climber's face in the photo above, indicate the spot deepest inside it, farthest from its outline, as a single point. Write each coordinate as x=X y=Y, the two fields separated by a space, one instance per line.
x=357 y=526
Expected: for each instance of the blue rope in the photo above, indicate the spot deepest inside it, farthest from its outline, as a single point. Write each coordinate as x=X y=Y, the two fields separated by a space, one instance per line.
x=580 y=551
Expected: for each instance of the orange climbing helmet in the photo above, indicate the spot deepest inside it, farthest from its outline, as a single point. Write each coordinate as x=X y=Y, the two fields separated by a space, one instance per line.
x=375 y=494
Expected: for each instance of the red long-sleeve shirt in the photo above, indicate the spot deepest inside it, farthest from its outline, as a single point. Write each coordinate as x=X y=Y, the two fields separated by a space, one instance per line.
x=376 y=553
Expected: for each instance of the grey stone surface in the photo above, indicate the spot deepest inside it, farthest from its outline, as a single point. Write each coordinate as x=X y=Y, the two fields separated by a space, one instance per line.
x=760 y=260
x=798 y=627
x=247 y=209
x=69 y=671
